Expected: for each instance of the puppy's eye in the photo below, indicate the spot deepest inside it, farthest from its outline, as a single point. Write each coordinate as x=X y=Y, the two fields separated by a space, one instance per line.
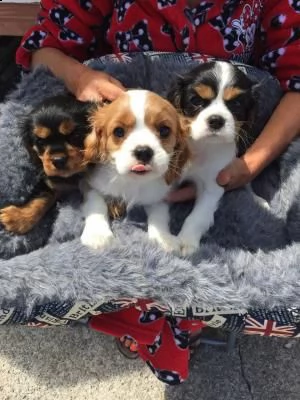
x=164 y=131
x=197 y=101
x=119 y=132
x=237 y=102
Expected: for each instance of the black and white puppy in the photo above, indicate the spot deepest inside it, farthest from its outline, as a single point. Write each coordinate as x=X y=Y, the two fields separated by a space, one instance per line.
x=217 y=99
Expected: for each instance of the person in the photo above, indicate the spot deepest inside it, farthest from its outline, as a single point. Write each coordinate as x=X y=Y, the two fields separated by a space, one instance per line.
x=263 y=33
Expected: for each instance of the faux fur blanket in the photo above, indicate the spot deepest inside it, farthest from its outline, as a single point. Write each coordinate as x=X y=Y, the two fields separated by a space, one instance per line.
x=250 y=258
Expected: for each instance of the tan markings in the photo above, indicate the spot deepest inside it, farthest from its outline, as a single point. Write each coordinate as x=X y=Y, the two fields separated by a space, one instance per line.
x=116 y=208
x=41 y=131
x=205 y=92
x=160 y=112
x=231 y=93
x=21 y=219
x=66 y=127
x=102 y=142
x=181 y=153
x=74 y=165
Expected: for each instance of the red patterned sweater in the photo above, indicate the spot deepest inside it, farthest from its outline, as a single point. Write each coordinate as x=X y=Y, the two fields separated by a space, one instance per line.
x=265 y=33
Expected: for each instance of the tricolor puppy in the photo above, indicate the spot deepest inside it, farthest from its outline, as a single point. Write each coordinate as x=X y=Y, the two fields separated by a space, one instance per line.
x=218 y=100
x=55 y=133
x=141 y=142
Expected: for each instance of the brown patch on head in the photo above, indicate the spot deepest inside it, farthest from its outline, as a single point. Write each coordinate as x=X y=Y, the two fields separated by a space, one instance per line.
x=66 y=127
x=160 y=112
x=21 y=219
x=105 y=121
x=205 y=92
x=231 y=93
x=41 y=131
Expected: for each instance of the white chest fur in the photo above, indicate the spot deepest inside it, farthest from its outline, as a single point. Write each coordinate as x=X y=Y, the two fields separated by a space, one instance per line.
x=133 y=189
x=208 y=158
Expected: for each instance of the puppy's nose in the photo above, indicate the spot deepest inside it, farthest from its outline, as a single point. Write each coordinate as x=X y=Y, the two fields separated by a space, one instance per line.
x=59 y=162
x=216 y=122
x=143 y=153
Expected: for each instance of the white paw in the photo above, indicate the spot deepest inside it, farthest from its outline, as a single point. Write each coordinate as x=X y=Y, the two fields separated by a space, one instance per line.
x=96 y=238
x=189 y=244
x=167 y=241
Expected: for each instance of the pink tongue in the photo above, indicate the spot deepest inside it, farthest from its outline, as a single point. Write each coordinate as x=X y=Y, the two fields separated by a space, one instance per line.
x=139 y=168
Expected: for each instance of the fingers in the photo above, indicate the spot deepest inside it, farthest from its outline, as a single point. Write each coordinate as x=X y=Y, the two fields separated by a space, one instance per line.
x=224 y=177
x=110 y=91
x=116 y=82
x=184 y=194
x=98 y=86
x=89 y=95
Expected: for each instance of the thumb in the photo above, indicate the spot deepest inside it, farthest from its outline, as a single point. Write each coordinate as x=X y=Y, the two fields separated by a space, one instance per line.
x=116 y=82
x=111 y=91
x=181 y=195
x=224 y=176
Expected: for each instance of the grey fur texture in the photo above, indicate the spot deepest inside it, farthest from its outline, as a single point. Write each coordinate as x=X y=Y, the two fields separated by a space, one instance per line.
x=250 y=258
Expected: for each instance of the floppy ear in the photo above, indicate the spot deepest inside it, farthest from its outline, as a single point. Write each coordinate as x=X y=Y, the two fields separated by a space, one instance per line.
x=181 y=152
x=174 y=94
x=249 y=129
x=25 y=126
x=93 y=144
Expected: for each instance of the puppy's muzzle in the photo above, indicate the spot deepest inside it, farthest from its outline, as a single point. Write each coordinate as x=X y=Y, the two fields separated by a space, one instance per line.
x=143 y=154
x=216 y=122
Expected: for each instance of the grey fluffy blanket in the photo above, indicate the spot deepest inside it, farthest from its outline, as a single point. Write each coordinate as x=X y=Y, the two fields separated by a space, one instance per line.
x=250 y=258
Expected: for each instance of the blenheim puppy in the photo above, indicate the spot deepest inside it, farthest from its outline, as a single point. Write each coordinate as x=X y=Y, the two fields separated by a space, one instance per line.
x=55 y=133
x=218 y=100
x=141 y=142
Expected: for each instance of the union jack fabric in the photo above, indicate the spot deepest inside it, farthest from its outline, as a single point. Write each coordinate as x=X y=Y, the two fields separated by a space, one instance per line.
x=267 y=328
x=162 y=332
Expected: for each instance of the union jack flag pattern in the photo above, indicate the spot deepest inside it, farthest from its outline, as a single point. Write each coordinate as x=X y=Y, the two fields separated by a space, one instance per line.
x=266 y=327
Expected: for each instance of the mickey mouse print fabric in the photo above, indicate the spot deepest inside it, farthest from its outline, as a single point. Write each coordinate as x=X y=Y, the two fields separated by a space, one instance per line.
x=264 y=33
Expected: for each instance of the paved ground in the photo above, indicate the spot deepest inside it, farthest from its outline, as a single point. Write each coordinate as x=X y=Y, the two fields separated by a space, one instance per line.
x=77 y=364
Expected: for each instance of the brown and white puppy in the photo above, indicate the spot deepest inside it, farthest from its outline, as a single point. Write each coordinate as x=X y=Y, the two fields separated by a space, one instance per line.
x=55 y=131
x=141 y=142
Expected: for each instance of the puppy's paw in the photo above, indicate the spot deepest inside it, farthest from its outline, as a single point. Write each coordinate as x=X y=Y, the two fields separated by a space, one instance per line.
x=95 y=237
x=189 y=244
x=16 y=220
x=167 y=241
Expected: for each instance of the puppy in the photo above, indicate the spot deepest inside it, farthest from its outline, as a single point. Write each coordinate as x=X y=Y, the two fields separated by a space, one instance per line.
x=55 y=133
x=218 y=100
x=141 y=143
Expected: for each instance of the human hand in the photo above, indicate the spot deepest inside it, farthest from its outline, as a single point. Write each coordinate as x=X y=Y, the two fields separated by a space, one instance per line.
x=183 y=194
x=96 y=86
x=235 y=175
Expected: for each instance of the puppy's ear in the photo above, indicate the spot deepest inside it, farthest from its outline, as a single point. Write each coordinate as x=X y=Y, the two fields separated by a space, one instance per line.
x=25 y=127
x=175 y=92
x=181 y=153
x=93 y=144
x=249 y=129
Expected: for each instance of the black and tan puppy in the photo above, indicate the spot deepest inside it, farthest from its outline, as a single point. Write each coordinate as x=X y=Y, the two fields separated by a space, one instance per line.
x=56 y=131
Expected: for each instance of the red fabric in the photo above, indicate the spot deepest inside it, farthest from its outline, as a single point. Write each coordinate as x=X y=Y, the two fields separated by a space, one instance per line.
x=162 y=341
x=229 y=29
